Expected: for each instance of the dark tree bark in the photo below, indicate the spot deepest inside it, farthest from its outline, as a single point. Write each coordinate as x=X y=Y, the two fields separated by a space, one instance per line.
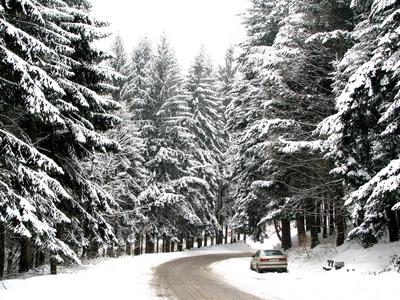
x=393 y=225
x=25 y=256
x=325 y=213
x=310 y=218
x=53 y=258
x=331 y=218
x=301 y=230
x=212 y=240
x=180 y=245
x=136 y=249
x=172 y=246
x=149 y=244
x=318 y=222
x=167 y=244
x=286 y=235
x=2 y=249
x=278 y=230
x=128 y=249
x=340 y=235
x=206 y=239
x=226 y=234
x=39 y=259
x=199 y=242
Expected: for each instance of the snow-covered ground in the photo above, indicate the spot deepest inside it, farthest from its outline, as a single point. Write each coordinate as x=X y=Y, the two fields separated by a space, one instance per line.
x=131 y=277
x=122 y=278
x=361 y=278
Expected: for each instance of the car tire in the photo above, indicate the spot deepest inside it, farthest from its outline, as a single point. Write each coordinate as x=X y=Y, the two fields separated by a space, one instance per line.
x=258 y=269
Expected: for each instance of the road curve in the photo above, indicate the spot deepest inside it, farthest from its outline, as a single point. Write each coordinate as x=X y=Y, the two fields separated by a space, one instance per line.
x=191 y=278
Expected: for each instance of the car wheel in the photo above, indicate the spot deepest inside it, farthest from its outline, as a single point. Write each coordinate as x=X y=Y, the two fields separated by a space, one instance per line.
x=258 y=269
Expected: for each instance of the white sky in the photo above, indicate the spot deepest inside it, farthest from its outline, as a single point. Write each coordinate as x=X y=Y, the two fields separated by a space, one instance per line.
x=187 y=23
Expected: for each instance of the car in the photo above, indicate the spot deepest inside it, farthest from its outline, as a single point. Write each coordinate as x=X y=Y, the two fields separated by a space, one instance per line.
x=270 y=259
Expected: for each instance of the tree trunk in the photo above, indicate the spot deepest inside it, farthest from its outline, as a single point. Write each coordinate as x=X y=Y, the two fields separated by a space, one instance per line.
x=205 y=239
x=226 y=234
x=136 y=250
x=318 y=222
x=149 y=244
x=199 y=242
x=2 y=249
x=212 y=240
x=340 y=235
x=53 y=258
x=180 y=245
x=331 y=218
x=393 y=225
x=277 y=230
x=168 y=244
x=310 y=217
x=128 y=249
x=286 y=235
x=39 y=261
x=301 y=230
x=172 y=246
x=325 y=213
x=25 y=257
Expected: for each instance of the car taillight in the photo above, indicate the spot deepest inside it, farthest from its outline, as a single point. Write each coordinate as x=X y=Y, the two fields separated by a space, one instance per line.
x=264 y=259
x=283 y=259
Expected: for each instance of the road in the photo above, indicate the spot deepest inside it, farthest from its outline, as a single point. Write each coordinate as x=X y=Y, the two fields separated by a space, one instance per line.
x=191 y=278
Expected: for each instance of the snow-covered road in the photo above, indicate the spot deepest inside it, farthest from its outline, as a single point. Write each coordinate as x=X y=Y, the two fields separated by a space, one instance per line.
x=133 y=277
x=110 y=279
x=192 y=278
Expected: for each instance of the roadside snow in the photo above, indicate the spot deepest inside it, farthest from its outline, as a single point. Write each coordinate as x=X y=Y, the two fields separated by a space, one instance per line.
x=363 y=276
x=127 y=277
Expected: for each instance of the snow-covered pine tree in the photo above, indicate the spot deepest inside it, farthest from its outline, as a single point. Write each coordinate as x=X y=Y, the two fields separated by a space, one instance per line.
x=363 y=134
x=227 y=79
x=207 y=124
x=171 y=212
x=138 y=83
x=118 y=63
x=31 y=99
x=50 y=67
x=284 y=97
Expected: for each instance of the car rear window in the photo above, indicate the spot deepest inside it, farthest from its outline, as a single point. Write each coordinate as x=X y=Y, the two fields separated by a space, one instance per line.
x=272 y=252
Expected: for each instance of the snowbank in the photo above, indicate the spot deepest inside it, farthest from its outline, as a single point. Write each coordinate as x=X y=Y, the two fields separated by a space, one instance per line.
x=363 y=276
x=111 y=279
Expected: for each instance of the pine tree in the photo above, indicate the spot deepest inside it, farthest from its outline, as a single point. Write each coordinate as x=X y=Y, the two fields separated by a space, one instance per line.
x=362 y=135
x=50 y=67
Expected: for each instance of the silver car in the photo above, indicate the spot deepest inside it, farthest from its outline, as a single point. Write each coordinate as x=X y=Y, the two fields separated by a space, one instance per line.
x=269 y=260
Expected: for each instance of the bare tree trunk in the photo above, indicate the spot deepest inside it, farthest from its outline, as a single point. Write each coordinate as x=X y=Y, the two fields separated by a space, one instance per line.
x=340 y=235
x=128 y=249
x=172 y=246
x=393 y=225
x=180 y=245
x=212 y=241
x=331 y=218
x=226 y=234
x=286 y=235
x=312 y=224
x=318 y=217
x=325 y=212
x=2 y=249
x=277 y=230
x=136 y=249
x=149 y=244
x=199 y=242
x=301 y=230
x=25 y=257
x=205 y=239
x=168 y=244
